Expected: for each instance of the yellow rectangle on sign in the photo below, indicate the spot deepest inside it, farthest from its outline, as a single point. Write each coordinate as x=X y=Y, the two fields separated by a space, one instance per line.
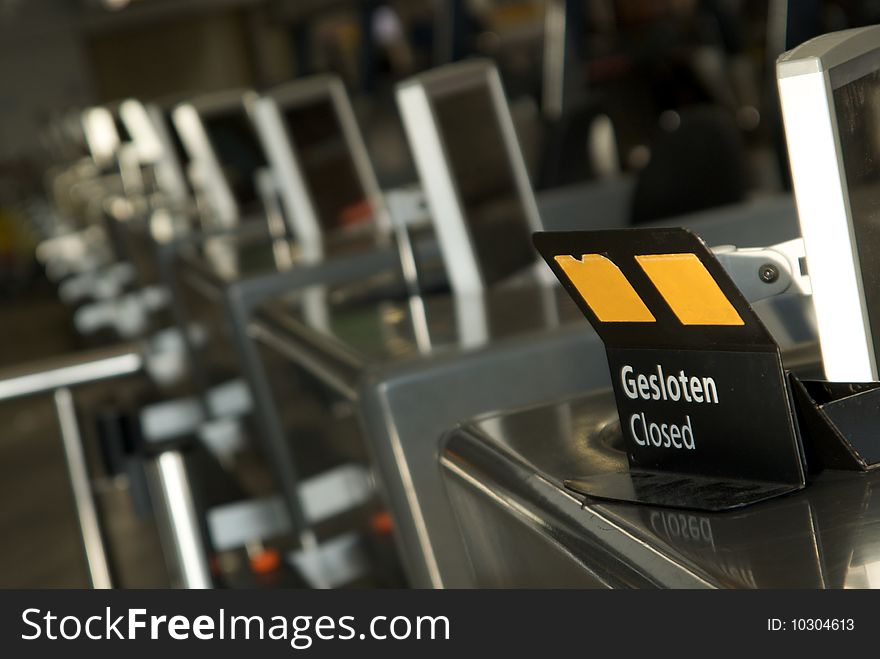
x=603 y=287
x=689 y=289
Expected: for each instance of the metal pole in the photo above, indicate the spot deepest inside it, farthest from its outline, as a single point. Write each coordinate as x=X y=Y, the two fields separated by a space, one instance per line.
x=83 y=497
x=178 y=520
x=170 y=489
x=71 y=370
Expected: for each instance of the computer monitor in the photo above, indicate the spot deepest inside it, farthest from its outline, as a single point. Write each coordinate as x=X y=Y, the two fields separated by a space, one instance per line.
x=829 y=89
x=225 y=154
x=140 y=130
x=170 y=169
x=102 y=137
x=464 y=144
x=326 y=182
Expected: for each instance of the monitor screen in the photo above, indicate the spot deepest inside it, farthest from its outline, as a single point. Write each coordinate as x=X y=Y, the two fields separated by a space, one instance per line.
x=857 y=108
x=483 y=173
x=327 y=164
x=238 y=151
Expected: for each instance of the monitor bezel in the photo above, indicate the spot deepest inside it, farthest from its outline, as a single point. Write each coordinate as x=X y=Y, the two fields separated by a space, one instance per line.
x=282 y=153
x=170 y=171
x=133 y=114
x=206 y=172
x=807 y=77
x=102 y=138
x=415 y=102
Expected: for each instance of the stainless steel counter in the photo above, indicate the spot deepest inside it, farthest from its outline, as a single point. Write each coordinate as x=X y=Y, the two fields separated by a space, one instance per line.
x=411 y=372
x=522 y=528
x=509 y=347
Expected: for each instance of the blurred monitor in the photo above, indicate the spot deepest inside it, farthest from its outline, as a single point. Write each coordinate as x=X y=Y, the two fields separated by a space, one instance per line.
x=464 y=144
x=225 y=155
x=181 y=154
x=324 y=176
x=830 y=93
x=101 y=134
x=140 y=130
x=238 y=151
x=173 y=160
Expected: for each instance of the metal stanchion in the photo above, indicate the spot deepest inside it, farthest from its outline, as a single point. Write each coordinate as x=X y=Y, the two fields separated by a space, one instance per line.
x=178 y=520
x=169 y=483
x=83 y=497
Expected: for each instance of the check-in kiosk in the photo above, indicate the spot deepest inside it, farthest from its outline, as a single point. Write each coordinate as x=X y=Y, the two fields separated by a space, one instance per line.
x=526 y=522
x=254 y=148
x=483 y=352
x=166 y=210
x=225 y=161
x=162 y=427
x=172 y=213
x=79 y=242
x=161 y=148
x=117 y=200
x=224 y=154
x=829 y=89
x=605 y=489
x=102 y=135
x=134 y=117
x=464 y=144
x=222 y=299
x=170 y=422
x=320 y=164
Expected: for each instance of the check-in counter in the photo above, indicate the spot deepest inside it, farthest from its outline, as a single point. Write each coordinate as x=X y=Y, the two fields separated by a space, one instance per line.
x=215 y=287
x=522 y=528
x=531 y=345
x=405 y=373
x=251 y=255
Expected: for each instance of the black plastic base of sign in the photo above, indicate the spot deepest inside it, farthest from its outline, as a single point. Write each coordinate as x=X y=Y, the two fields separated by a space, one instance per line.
x=699 y=383
x=675 y=490
x=839 y=423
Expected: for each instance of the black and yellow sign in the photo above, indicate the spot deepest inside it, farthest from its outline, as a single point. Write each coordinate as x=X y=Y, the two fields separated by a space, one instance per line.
x=698 y=379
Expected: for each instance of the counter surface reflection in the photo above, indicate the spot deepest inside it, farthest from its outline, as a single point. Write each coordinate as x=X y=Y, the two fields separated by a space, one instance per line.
x=522 y=528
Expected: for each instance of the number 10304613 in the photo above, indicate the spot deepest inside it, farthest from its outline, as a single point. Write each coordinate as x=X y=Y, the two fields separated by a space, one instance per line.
x=811 y=625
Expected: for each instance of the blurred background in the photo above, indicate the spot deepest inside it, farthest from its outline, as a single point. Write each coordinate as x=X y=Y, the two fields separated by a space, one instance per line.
x=688 y=86
x=634 y=60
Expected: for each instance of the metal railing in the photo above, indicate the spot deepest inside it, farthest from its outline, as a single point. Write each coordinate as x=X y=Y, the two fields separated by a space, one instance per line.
x=169 y=484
